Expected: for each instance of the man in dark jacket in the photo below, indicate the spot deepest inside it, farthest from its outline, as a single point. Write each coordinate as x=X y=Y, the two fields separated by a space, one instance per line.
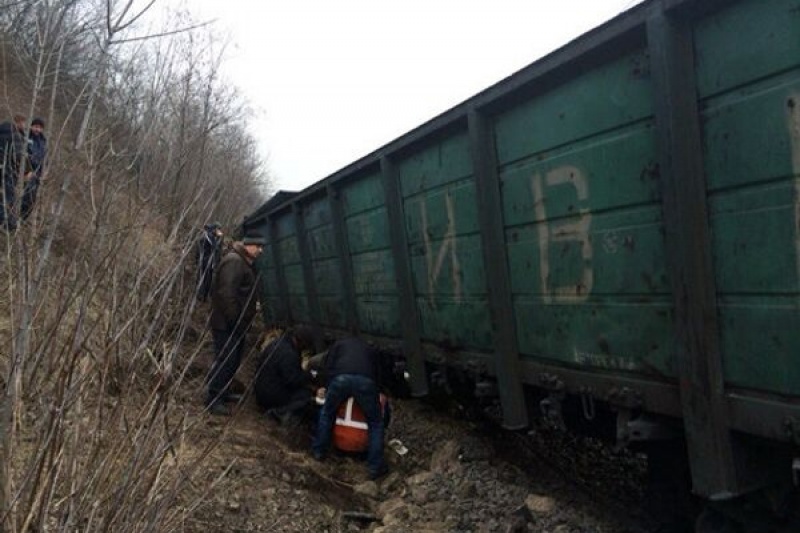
x=233 y=307
x=13 y=166
x=281 y=385
x=351 y=369
x=207 y=256
x=37 y=154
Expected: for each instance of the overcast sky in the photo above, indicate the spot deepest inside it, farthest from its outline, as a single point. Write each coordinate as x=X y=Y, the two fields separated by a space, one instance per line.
x=333 y=80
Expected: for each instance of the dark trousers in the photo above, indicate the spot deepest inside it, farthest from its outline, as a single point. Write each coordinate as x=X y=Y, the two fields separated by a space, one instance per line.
x=29 y=197
x=365 y=393
x=9 y=193
x=228 y=347
x=204 y=275
x=291 y=403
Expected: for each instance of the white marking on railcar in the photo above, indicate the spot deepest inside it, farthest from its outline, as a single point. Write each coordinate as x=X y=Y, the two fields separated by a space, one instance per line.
x=563 y=231
x=447 y=249
x=601 y=360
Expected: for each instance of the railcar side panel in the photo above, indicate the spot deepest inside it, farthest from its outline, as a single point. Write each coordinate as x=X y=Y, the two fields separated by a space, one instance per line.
x=374 y=278
x=326 y=264
x=750 y=96
x=441 y=222
x=270 y=288
x=583 y=222
x=289 y=250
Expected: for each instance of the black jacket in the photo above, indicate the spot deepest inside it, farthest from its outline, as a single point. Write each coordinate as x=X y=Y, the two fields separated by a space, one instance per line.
x=37 y=152
x=279 y=373
x=207 y=251
x=351 y=356
x=13 y=151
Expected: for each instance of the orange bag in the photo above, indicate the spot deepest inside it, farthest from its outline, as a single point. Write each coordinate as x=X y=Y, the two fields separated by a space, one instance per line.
x=350 y=429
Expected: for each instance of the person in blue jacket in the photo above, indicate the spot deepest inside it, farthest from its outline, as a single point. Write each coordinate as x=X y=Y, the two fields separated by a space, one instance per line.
x=37 y=156
x=14 y=165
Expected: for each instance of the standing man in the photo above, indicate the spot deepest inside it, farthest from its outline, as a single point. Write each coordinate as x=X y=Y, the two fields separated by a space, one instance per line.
x=13 y=166
x=207 y=256
x=37 y=155
x=233 y=307
x=281 y=385
x=351 y=369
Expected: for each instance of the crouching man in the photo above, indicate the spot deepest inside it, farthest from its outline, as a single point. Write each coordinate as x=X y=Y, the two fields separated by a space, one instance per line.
x=350 y=369
x=281 y=385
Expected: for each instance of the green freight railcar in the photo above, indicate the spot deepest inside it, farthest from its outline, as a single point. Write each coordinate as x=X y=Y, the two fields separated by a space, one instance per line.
x=618 y=222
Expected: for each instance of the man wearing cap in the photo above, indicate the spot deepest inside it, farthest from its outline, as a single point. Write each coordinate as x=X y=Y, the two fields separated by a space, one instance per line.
x=37 y=154
x=207 y=256
x=234 y=295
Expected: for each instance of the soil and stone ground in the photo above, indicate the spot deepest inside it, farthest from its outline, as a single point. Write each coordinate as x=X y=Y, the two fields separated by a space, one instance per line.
x=457 y=476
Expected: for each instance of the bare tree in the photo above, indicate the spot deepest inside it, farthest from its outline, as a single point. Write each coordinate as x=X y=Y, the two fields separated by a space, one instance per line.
x=146 y=141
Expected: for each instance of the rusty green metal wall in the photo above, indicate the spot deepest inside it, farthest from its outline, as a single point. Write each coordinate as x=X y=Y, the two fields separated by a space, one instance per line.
x=326 y=264
x=748 y=71
x=441 y=223
x=583 y=223
x=289 y=249
x=367 y=230
x=271 y=295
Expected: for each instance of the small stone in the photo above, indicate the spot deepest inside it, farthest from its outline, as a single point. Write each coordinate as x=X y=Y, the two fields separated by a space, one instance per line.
x=234 y=506
x=540 y=505
x=402 y=515
x=390 y=482
x=390 y=506
x=445 y=459
x=420 y=479
x=395 y=517
x=368 y=488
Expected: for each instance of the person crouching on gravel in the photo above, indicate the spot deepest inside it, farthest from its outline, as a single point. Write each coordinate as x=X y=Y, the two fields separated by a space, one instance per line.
x=351 y=369
x=281 y=385
x=233 y=306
